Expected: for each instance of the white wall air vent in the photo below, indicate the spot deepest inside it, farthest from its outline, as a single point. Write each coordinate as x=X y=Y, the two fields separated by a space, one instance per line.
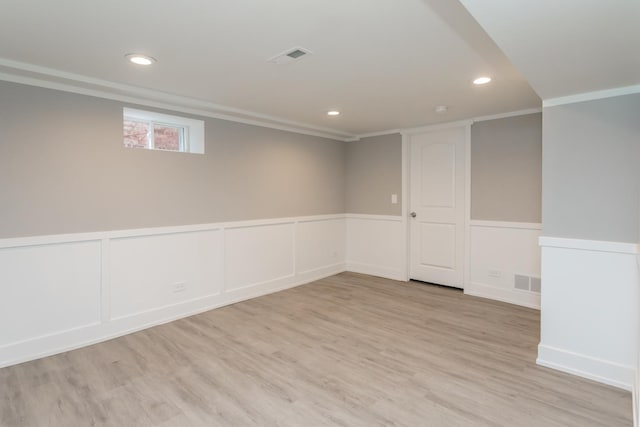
x=290 y=55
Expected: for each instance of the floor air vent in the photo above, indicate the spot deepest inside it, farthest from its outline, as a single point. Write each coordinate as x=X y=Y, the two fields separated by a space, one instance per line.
x=526 y=283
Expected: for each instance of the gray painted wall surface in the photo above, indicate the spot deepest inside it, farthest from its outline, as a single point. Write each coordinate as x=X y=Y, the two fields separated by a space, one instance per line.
x=373 y=174
x=591 y=170
x=63 y=169
x=506 y=169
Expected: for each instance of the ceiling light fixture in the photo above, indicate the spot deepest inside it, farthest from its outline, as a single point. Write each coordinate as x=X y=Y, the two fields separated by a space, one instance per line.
x=139 y=59
x=333 y=113
x=482 y=80
x=441 y=109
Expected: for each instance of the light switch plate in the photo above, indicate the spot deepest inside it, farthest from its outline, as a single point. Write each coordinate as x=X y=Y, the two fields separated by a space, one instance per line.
x=394 y=199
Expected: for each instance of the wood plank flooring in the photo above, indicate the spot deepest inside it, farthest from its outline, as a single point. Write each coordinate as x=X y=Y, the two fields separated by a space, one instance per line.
x=349 y=350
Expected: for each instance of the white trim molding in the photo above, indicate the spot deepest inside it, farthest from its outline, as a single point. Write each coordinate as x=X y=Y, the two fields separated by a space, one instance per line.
x=14 y=242
x=466 y=275
x=371 y=217
x=426 y=128
x=49 y=78
x=380 y=133
x=589 y=245
x=506 y=224
x=507 y=115
x=593 y=368
x=33 y=75
x=510 y=296
x=436 y=126
x=405 y=207
x=591 y=96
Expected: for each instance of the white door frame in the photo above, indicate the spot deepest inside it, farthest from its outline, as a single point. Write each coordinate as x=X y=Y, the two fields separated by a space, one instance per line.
x=406 y=136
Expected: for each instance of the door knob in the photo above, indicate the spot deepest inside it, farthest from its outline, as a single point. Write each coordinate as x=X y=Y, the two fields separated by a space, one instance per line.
x=413 y=214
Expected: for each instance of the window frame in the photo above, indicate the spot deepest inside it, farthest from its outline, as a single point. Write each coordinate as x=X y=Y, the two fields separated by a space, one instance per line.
x=191 y=131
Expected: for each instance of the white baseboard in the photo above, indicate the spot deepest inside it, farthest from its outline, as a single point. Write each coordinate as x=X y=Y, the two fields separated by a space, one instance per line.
x=242 y=294
x=512 y=296
x=603 y=371
x=375 y=270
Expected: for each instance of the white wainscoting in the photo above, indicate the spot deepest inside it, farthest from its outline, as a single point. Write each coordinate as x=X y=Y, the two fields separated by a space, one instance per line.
x=258 y=254
x=67 y=291
x=376 y=245
x=589 y=318
x=144 y=271
x=497 y=252
x=38 y=282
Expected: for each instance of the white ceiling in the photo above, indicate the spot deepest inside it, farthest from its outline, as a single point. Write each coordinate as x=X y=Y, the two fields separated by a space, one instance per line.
x=566 y=47
x=384 y=64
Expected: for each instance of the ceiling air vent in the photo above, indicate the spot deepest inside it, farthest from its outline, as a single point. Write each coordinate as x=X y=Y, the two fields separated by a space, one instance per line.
x=290 y=55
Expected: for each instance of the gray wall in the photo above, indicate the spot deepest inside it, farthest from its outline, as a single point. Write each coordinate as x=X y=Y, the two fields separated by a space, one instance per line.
x=63 y=169
x=373 y=174
x=506 y=169
x=591 y=170
x=506 y=156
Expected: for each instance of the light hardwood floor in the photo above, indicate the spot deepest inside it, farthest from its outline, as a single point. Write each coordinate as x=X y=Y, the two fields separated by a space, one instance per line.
x=349 y=350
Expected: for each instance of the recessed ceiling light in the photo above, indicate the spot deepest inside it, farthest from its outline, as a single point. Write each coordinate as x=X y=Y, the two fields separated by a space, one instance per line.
x=334 y=113
x=482 y=80
x=440 y=109
x=139 y=59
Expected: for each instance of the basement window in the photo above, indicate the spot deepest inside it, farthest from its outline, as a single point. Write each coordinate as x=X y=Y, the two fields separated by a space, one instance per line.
x=155 y=131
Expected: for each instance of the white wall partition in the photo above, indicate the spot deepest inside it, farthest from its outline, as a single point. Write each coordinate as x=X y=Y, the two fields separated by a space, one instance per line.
x=498 y=253
x=67 y=291
x=597 y=338
x=376 y=245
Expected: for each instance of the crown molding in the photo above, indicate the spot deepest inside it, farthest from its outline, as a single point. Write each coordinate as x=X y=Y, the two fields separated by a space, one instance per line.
x=443 y=125
x=591 y=96
x=33 y=75
x=380 y=133
x=438 y=126
x=507 y=115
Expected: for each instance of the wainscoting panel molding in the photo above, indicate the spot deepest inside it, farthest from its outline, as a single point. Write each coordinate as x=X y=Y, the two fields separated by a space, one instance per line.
x=320 y=244
x=258 y=254
x=49 y=288
x=68 y=291
x=376 y=245
x=589 y=322
x=150 y=272
x=500 y=251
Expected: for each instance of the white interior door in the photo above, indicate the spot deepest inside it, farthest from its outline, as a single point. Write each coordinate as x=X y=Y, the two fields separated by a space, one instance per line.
x=437 y=206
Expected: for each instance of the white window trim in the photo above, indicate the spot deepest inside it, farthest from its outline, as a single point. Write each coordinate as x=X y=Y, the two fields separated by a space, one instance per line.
x=193 y=137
